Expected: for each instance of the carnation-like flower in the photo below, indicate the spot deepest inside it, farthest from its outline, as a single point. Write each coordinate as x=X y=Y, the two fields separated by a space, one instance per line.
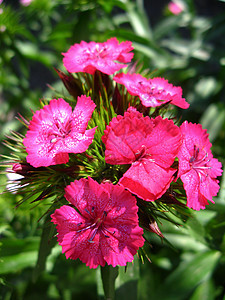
x=149 y=145
x=25 y=2
x=152 y=92
x=107 y=57
x=104 y=226
x=197 y=167
x=175 y=8
x=55 y=131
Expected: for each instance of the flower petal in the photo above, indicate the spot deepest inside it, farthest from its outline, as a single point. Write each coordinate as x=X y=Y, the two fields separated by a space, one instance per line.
x=124 y=137
x=147 y=180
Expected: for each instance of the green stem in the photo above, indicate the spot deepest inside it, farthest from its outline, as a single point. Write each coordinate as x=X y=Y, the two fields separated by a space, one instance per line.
x=108 y=275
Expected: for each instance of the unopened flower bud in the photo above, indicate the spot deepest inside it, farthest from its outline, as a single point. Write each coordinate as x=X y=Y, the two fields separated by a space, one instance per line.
x=170 y=198
x=22 y=169
x=71 y=84
x=149 y=223
x=153 y=227
x=117 y=101
x=100 y=80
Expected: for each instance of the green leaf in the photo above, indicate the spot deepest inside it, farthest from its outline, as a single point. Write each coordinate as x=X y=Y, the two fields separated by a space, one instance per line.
x=213 y=120
x=123 y=279
x=167 y=25
x=127 y=281
x=221 y=197
x=108 y=275
x=188 y=275
x=196 y=229
x=206 y=87
x=11 y=247
x=205 y=290
x=183 y=242
x=15 y=263
x=46 y=245
x=18 y=254
x=31 y=51
x=138 y=19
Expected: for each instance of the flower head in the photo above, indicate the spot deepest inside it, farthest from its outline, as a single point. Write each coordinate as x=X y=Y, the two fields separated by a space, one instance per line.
x=175 y=8
x=105 y=57
x=25 y=2
x=149 y=145
x=152 y=92
x=104 y=226
x=55 y=131
x=197 y=167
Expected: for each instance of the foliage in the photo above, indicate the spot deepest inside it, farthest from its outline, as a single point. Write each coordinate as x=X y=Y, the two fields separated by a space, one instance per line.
x=188 y=50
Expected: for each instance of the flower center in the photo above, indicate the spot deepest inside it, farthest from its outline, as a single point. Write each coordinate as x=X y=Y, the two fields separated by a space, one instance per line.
x=151 y=89
x=60 y=130
x=142 y=154
x=199 y=162
x=98 y=52
x=96 y=224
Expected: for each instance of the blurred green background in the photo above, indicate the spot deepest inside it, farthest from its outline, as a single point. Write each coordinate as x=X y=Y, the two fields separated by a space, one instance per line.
x=188 y=49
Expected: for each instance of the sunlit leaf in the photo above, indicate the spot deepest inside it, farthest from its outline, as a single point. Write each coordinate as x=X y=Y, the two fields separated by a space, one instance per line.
x=205 y=290
x=188 y=275
x=18 y=254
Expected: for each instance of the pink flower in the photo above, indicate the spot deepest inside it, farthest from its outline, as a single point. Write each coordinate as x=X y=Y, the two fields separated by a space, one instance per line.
x=152 y=92
x=174 y=8
x=25 y=2
x=197 y=167
x=55 y=131
x=149 y=145
x=89 y=57
x=104 y=226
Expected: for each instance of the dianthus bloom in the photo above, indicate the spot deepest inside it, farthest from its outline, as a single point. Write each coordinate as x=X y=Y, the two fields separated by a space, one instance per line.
x=104 y=226
x=152 y=92
x=25 y=2
x=105 y=57
x=197 y=167
x=149 y=145
x=55 y=131
x=175 y=8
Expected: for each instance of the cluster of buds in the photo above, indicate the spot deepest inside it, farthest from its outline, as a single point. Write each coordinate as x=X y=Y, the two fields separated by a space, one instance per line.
x=111 y=158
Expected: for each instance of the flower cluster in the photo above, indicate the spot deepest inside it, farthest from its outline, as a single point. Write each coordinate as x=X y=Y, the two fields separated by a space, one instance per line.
x=123 y=154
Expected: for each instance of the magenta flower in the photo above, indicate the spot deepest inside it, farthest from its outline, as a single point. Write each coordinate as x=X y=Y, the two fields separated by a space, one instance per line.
x=55 y=131
x=25 y=2
x=149 y=145
x=174 y=8
x=105 y=57
x=197 y=167
x=104 y=226
x=152 y=92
